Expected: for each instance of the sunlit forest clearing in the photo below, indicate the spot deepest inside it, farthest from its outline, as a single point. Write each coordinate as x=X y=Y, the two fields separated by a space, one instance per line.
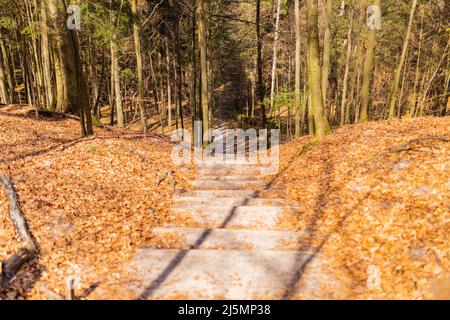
x=94 y=206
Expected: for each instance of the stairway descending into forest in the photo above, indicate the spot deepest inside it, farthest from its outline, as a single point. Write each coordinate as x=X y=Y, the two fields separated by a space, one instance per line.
x=233 y=247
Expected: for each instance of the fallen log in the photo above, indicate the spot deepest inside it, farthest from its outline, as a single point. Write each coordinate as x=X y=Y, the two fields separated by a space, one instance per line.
x=29 y=249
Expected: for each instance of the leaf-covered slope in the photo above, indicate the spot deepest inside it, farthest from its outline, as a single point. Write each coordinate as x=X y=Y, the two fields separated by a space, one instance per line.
x=89 y=202
x=375 y=199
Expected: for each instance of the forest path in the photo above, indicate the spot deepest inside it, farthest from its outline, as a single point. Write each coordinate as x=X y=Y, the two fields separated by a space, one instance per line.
x=231 y=243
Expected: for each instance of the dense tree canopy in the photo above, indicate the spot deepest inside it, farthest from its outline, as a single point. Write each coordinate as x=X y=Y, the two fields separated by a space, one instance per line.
x=147 y=59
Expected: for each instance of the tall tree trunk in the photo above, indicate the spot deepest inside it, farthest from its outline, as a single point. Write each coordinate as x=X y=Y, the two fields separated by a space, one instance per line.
x=46 y=62
x=297 y=97
x=343 y=115
x=326 y=65
x=194 y=75
x=203 y=67
x=259 y=41
x=398 y=72
x=315 y=83
x=367 y=72
x=275 y=54
x=115 y=77
x=157 y=97
x=169 y=88
x=4 y=96
x=73 y=76
x=413 y=105
x=139 y=63
x=9 y=69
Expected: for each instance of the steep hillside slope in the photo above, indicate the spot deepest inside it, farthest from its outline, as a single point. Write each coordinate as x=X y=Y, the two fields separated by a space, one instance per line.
x=376 y=198
x=90 y=202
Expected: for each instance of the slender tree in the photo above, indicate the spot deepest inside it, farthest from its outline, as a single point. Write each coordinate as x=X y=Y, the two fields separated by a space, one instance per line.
x=367 y=72
x=326 y=65
x=315 y=83
x=203 y=67
x=298 y=41
x=347 y=69
x=398 y=72
x=259 y=44
x=139 y=63
x=275 y=54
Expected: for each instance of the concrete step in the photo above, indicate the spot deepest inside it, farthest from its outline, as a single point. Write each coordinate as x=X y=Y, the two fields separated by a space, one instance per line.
x=215 y=239
x=255 y=171
x=217 y=274
x=247 y=201
x=228 y=185
x=211 y=194
x=219 y=177
x=208 y=207
x=240 y=217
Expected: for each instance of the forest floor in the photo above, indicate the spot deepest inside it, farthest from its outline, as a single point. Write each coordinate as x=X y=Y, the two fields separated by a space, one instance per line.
x=377 y=203
x=372 y=197
x=89 y=202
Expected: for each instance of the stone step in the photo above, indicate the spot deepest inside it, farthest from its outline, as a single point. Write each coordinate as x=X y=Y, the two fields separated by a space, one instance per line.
x=255 y=173
x=242 y=201
x=217 y=274
x=211 y=194
x=240 y=217
x=228 y=185
x=209 y=207
x=216 y=239
x=219 y=177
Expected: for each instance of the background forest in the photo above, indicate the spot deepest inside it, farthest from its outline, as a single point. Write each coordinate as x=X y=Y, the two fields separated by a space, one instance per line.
x=147 y=59
x=90 y=91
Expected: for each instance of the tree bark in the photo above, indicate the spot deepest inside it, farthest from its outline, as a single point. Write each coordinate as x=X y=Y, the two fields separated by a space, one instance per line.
x=203 y=67
x=398 y=72
x=367 y=72
x=315 y=83
x=139 y=63
x=74 y=81
x=326 y=65
x=413 y=106
x=275 y=56
x=46 y=61
x=4 y=96
x=297 y=97
x=115 y=74
x=343 y=115
x=169 y=88
x=259 y=41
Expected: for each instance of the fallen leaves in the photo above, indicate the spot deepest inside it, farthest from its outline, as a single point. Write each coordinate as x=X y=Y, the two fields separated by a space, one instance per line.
x=89 y=202
x=379 y=193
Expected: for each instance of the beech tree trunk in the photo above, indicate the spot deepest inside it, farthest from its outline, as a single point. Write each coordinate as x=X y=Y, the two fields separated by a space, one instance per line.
x=73 y=79
x=398 y=72
x=139 y=63
x=203 y=67
x=315 y=83
x=275 y=53
x=259 y=41
x=297 y=96
x=343 y=115
x=326 y=65
x=367 y=72
x=46 y=62
x=4 y=97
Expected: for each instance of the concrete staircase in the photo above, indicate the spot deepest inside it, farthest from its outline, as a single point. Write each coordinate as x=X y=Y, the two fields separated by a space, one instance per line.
x=234 y=246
